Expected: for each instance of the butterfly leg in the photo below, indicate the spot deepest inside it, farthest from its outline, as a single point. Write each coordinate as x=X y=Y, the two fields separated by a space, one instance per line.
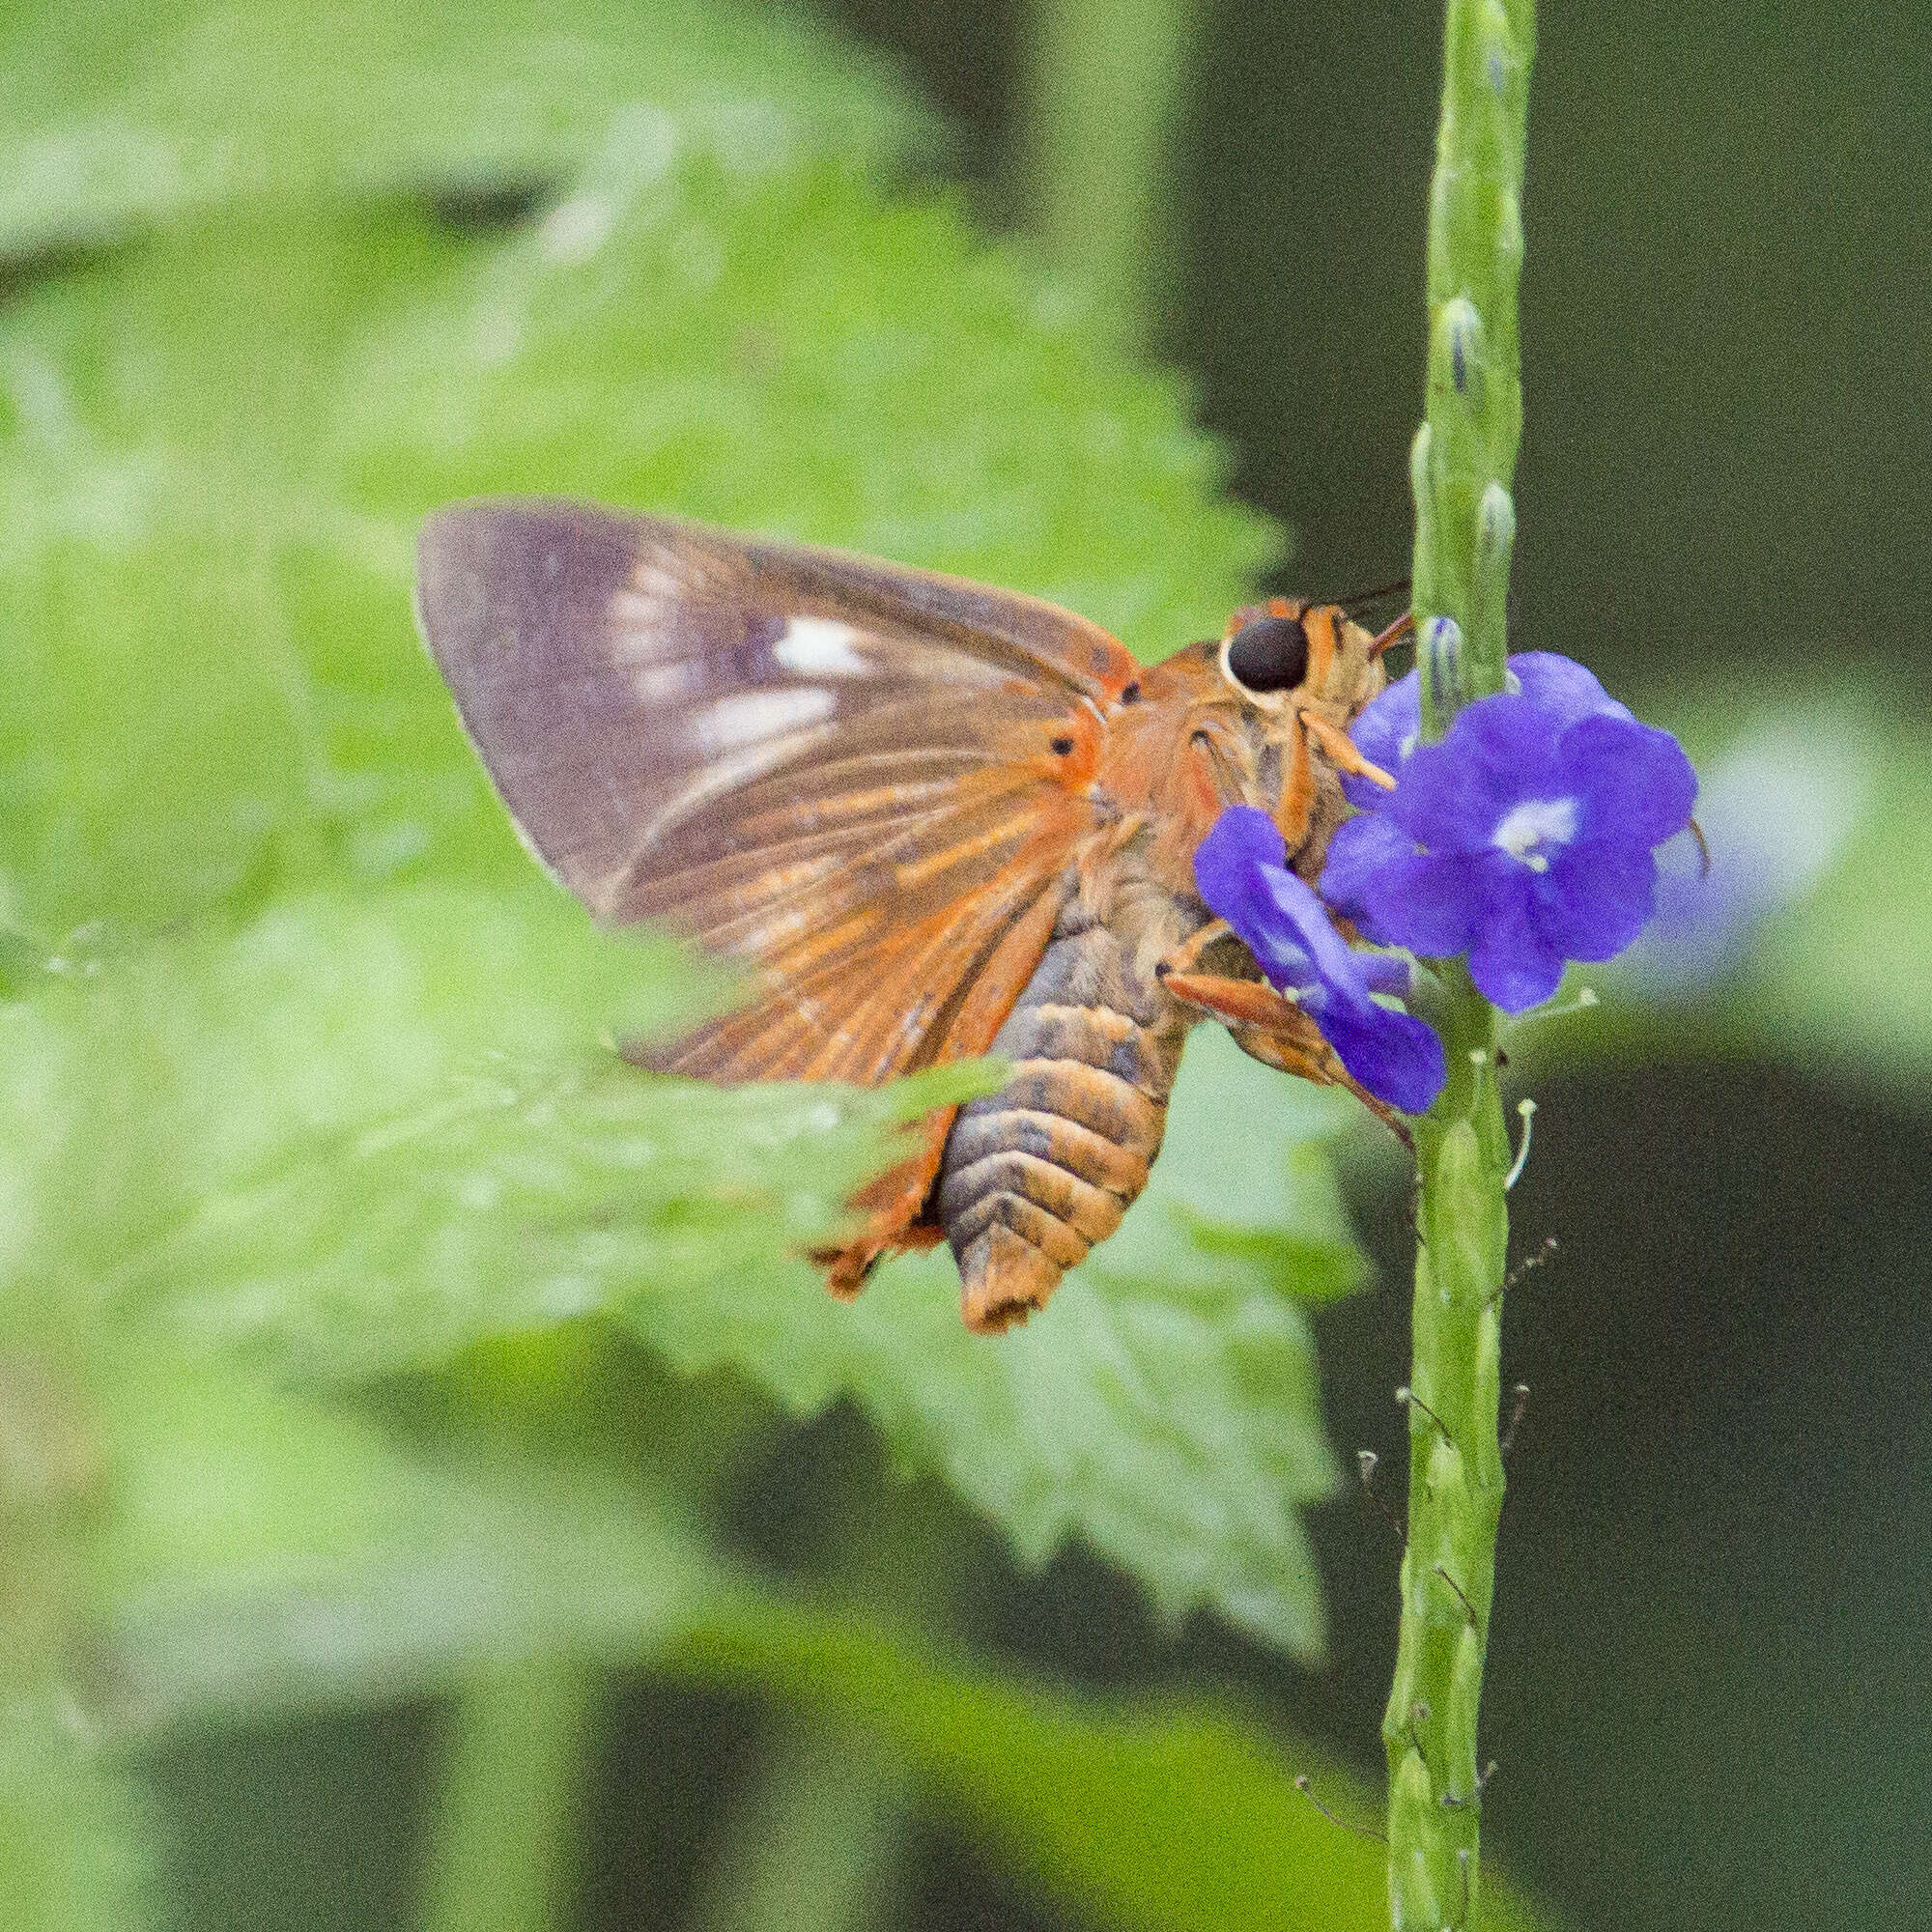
x=1296 y=805
x=1275 y=1031
x=1340 y=750
x=891 y=1204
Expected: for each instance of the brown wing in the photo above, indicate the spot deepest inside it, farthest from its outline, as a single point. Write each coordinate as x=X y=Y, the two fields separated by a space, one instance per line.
x=865 y=782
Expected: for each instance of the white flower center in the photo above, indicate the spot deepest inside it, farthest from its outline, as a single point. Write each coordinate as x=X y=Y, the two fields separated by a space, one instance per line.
x=1524 y=829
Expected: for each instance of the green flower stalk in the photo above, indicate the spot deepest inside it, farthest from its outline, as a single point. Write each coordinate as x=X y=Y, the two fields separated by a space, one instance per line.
x=1465 y=453
x=1107 y=84
x=1463 y=462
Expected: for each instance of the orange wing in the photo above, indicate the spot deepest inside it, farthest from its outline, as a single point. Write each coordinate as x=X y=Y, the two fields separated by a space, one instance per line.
x=866 y=784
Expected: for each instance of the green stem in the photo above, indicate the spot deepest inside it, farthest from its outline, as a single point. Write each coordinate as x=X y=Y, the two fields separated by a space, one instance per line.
x=506 y=1831
x=1104 y=89
x=1454 y=1479
x=1465 y=453
x=1461 y=467
x=818 y=1843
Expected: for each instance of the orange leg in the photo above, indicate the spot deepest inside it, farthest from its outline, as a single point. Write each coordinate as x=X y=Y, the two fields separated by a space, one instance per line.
x=892 y=1203
x=1298 y=793
x=1340 y=750
x=1272 y=1028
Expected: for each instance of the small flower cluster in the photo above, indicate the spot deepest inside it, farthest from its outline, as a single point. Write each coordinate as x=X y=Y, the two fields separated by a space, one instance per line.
x=1524 y=838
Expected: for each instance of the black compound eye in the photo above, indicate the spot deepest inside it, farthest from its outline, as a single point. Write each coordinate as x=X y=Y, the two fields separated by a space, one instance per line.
x=1270 y=654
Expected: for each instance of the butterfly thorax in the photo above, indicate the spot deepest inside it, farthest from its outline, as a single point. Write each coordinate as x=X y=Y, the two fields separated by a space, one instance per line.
x=1200 y=742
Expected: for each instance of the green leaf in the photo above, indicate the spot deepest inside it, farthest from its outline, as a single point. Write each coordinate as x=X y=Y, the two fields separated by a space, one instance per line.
x=270 y=1552
x=325 y=1048
x=920 y=405
x=115 y=113
x=366 y=1134
x=333 y=1159
x=69 y=1829
x=1163 y=1408
x=1161 y=1816
x=780 y=352
x=273 y=1554
x=215 y=695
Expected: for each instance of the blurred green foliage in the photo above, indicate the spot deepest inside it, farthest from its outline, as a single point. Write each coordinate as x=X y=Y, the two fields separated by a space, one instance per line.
x=318 y=1165
x=367 y=1329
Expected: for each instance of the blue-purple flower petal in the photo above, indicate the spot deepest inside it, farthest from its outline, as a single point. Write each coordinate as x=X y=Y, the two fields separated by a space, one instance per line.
x=1386 y=973
x=1360 y=852
x=1514 y=966
x=1594 y=898
x=1232 y=867
x=1524 y=837
x=1430 y=902
x=1398 y=1058
x=1561 y=687
x=1636 y=783
x=1241 y=870
x=1385 y=731
x=1389 y=727
x=1452 y=794
x=1337 y=969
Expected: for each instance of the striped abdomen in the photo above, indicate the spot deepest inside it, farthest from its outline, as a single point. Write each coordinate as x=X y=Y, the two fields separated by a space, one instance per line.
x=1036 y=1174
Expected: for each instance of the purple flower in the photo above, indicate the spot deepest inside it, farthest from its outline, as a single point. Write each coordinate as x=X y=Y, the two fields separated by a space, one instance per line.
x=1524 y=838
x=1241 y=870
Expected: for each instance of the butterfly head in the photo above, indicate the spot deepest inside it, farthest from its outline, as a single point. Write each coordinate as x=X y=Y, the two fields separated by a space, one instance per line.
x=1269 y=707
x=1287 y=655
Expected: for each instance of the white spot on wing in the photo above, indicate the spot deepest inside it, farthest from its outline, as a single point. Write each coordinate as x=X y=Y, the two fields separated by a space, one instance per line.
x=636 y=606
x=643 y=617
x=662 y=684
x=820 y=647
x=751 y=716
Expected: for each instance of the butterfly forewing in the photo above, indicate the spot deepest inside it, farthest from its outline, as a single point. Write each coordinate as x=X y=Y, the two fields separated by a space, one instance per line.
x=860 y=781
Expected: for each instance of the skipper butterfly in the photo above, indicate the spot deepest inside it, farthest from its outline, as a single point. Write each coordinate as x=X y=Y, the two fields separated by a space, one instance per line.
x=934 y=821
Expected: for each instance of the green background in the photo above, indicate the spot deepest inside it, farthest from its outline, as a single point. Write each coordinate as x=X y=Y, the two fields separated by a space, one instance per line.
x=1715 y=1560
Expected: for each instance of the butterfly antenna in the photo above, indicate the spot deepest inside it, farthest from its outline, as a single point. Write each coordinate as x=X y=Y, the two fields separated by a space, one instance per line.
x=1383 y=639
x=1400 y=585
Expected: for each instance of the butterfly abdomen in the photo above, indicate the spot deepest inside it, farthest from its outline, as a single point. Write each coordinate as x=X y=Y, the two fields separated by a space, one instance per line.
x=1035 y=1175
